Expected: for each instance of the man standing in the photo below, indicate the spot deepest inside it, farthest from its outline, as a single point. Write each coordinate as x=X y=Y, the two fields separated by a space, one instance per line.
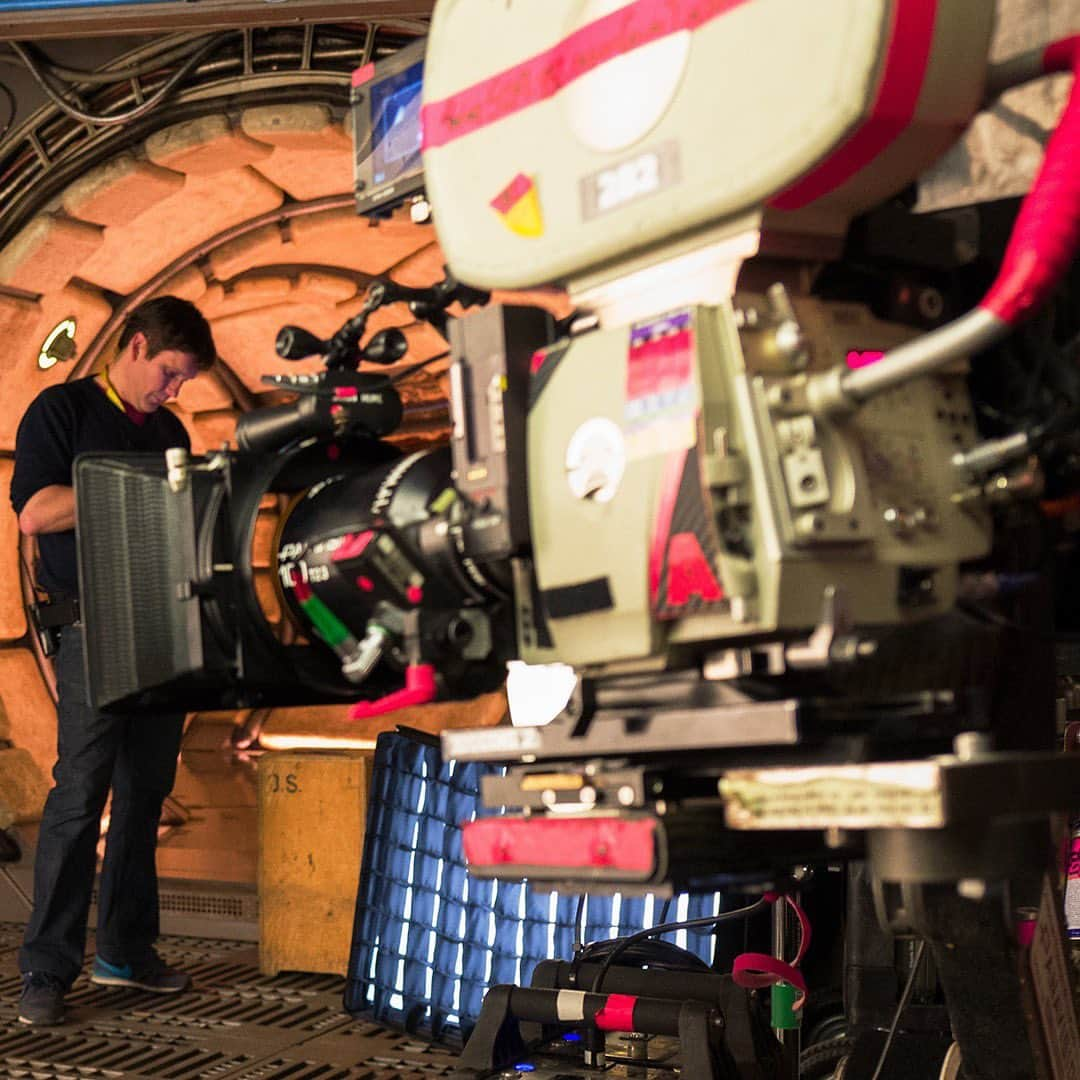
x=165 y=342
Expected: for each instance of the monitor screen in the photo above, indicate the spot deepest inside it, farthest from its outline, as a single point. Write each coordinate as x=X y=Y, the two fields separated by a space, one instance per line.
x=386 y=127
x=395 y=105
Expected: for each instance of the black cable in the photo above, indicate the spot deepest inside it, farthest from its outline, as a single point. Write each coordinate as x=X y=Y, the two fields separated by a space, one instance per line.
x=665 y=928
x=406 y=372
x=992 y=618
x=579 y=929
x=648 y=953
x=180 y=46
x=902 y=1004
x=150 y=103
x=10 y=98
x=35 y=588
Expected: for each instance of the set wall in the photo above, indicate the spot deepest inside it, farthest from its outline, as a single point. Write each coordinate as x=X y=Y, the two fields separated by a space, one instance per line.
x=1001 y=151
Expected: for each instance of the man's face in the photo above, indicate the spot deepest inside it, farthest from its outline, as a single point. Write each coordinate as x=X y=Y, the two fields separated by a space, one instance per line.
x=160 y=377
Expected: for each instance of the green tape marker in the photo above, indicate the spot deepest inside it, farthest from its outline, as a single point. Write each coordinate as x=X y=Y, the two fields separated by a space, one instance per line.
x=330 y=628
x=784 y=1017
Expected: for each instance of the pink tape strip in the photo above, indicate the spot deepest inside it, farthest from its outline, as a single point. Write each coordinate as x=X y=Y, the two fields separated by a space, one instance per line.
x=541 y=76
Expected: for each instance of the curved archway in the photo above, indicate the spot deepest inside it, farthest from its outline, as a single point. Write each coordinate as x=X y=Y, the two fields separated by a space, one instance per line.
x=237 y=195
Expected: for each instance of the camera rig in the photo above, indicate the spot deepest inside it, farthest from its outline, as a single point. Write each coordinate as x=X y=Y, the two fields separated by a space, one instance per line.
x=742 y=505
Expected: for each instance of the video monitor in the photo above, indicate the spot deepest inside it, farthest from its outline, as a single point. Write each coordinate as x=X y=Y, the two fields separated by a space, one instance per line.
x=386 y=129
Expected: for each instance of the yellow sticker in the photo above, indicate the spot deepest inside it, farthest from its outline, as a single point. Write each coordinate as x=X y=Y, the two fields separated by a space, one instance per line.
x=443 y=500
x=518 y=204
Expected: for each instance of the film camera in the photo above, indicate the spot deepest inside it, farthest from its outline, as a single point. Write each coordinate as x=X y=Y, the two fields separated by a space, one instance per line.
x=738 y=491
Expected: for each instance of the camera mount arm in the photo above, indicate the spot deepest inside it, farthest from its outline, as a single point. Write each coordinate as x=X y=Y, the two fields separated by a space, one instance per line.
x=343 y=351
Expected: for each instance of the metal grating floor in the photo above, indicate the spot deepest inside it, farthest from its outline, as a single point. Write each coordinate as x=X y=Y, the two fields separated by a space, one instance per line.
x=235 y=1024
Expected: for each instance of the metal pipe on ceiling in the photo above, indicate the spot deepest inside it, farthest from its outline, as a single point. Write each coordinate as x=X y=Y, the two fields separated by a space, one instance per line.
x=41 y=19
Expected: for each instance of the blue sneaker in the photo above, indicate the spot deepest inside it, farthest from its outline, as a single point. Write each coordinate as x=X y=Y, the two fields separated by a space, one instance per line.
x=153 y=975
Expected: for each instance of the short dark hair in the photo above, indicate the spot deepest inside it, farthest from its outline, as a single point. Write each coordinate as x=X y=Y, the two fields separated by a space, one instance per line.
x=171 y=323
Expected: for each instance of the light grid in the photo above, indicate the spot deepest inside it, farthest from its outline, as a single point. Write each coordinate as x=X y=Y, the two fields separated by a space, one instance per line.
x=428 y=939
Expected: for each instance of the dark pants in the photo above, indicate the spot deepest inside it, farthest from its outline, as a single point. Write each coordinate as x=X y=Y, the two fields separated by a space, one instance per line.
x=136 y=756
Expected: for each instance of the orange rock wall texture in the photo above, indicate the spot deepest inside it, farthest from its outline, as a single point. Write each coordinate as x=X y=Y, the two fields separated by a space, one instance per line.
x=999 y=155
x=175 y=214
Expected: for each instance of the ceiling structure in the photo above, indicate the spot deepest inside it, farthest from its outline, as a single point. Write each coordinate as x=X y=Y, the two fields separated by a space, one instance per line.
x=50 y=19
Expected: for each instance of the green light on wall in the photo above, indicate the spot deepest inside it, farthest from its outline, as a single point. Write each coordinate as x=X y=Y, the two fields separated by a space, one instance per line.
x=59 y=345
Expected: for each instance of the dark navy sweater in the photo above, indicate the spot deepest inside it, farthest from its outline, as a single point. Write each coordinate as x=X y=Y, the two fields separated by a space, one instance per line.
x=62 y=422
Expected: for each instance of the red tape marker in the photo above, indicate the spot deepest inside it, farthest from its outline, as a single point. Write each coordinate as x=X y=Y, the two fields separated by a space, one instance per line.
x=617 y=1013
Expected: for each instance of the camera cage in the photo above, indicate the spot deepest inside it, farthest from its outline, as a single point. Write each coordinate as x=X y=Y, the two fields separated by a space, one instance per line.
x=873 y=806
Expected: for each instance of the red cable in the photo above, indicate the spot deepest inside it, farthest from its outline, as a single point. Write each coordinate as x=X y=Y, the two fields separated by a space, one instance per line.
x=1047 y=231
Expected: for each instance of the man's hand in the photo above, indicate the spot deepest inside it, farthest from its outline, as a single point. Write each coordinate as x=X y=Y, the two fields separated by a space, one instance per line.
x=50 y=510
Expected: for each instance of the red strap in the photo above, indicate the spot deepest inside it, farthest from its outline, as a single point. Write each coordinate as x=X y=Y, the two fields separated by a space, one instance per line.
x=804 y=923
x=628 y=845
x=756 y=970
x=752 y=971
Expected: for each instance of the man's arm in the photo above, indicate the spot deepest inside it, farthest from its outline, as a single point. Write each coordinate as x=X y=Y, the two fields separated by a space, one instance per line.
x=42 y=494
x=50 y=509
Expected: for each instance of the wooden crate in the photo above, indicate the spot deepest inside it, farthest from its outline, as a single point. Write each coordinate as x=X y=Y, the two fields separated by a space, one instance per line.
x=312 y=809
